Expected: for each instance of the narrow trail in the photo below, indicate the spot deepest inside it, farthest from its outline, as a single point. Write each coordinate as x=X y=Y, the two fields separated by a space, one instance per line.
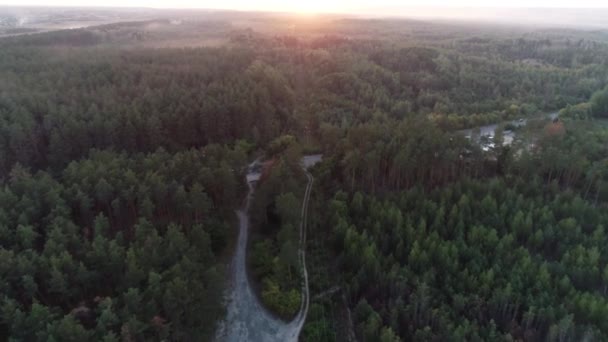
x=247 y=319
x=301 y=317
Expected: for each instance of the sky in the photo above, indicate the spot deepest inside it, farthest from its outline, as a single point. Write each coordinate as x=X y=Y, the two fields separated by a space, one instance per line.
x=314 y=6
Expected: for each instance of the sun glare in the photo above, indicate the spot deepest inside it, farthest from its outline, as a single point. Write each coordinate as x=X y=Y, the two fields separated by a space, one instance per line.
x=316 y=6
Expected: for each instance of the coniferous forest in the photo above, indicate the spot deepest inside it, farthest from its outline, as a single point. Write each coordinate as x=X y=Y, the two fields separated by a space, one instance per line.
x=124 y=148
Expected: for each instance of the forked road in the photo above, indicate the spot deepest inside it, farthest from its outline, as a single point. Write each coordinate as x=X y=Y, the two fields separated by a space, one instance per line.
x=246 y=318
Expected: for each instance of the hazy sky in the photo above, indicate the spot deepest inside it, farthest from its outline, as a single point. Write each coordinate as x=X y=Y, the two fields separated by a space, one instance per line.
x=313 y=5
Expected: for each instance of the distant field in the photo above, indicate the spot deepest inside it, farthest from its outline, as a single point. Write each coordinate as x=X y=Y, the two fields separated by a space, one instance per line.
x=16 y=21
x=192 y=28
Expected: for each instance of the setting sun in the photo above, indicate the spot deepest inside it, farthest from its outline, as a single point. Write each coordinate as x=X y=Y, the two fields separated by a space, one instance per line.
x=317 y=6
x=386 y=7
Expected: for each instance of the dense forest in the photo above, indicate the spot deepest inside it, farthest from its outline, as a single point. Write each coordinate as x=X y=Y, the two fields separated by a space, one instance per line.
x=474 y=261
x=56 y=106
x=487 y=245
x=121 y=167
x=117 y=246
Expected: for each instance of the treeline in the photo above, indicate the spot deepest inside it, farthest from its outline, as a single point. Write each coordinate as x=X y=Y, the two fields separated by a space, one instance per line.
x=567 y=50
x=398 y=155
x=391 y=156
x=118 y=247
